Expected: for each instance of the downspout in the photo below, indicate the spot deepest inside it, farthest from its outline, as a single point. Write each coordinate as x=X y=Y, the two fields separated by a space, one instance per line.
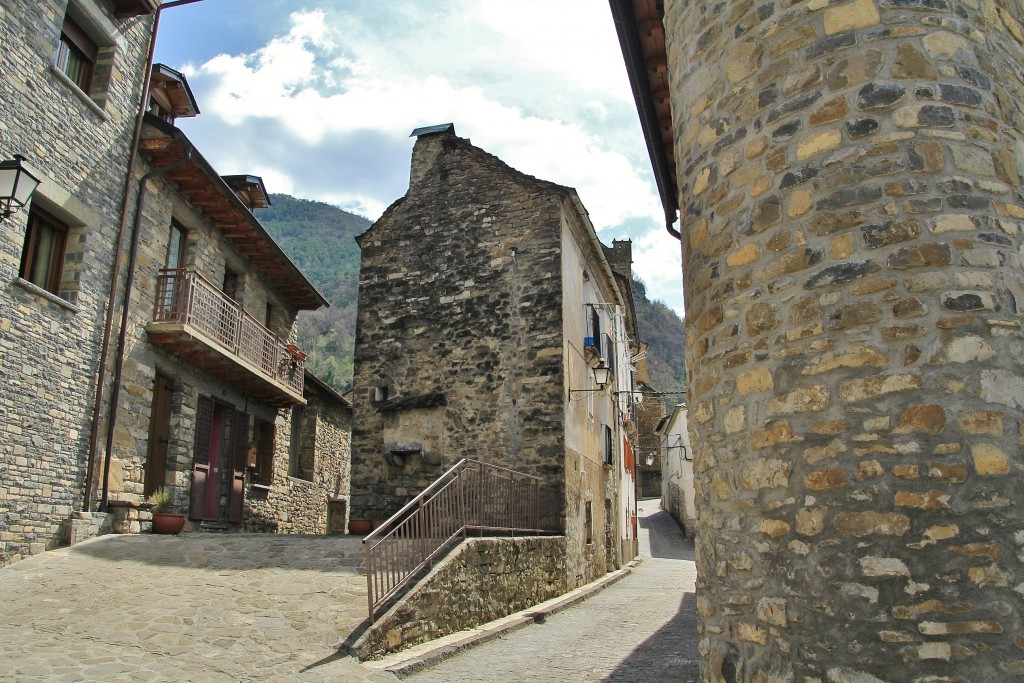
x=118 y=255
x=115 y=271
x=115 y=391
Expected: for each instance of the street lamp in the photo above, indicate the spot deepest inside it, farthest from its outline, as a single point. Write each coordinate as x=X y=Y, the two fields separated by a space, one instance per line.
x=602 y=375
x=17 y=184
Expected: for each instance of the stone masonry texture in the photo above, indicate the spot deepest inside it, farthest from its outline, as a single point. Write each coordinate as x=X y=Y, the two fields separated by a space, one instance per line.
x=482 y=580
x=849 y=173
x=464 y=326
x=49 y=343
x=476 y=245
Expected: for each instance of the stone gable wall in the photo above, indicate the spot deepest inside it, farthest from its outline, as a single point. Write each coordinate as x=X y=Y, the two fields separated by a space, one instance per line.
x=459 y=305
x=48 y=346
x=852 y=221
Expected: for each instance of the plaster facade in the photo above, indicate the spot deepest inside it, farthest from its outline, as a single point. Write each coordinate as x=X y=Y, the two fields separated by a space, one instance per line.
x=678 y=497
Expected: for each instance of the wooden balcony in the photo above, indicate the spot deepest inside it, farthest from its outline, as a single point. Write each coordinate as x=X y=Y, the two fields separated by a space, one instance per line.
x=198 y=322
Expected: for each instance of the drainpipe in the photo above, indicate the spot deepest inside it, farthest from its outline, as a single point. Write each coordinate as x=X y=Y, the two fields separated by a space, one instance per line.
x=115 y=391
x=115 y=271
x=118 y=255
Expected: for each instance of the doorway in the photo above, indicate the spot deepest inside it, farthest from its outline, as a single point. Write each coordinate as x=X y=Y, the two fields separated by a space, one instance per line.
x=218 y=467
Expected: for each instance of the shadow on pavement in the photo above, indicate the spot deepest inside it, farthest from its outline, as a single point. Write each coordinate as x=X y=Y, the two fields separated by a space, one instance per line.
x=667 y=655
x=203 y=551
x=665 y=539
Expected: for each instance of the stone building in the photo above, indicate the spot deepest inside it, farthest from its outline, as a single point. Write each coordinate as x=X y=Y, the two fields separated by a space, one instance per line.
x=677 y=493
x=847 y=176
x=90 y=318
x=485 y=299
x=209 y=386
x=648 y=444
x=71 y=79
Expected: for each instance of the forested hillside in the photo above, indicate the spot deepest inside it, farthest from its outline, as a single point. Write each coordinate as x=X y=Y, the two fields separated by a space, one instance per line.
x=319 y=237
x=661 y=328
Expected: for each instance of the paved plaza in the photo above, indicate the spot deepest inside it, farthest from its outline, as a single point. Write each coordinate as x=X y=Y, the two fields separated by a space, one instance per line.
x=255 y=607
x=196 y=607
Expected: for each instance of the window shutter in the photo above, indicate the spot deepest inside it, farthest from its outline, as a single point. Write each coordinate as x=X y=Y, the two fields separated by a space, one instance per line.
x=204 y=429
x=80 y=39
x=201 y=459
x=239 y=446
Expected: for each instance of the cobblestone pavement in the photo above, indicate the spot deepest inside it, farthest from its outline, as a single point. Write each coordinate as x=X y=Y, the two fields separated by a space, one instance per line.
x=641 y=629
x=196 y=607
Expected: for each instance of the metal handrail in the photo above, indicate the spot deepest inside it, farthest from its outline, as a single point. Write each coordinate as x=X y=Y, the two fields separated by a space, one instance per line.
x=186 y=297
x=471 y=496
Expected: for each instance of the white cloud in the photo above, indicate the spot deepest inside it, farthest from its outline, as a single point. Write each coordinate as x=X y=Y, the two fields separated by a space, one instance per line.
x=324 y=108
x=656 y=259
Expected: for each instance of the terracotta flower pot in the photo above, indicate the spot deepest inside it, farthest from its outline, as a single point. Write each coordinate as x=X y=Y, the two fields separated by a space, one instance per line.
x=360 y=527
x=168 y=523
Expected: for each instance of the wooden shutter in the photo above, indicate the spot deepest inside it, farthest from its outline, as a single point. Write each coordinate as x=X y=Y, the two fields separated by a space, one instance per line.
x=201 y=457
x=80 y=39
x=239 y=446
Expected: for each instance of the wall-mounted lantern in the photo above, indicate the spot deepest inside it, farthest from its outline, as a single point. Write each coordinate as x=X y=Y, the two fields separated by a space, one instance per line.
x=17 y=184
x=602 y=375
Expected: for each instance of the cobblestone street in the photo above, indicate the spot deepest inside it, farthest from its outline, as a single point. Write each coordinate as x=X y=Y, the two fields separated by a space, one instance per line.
x=197 y=607
x=206 y=607
x=641 y=629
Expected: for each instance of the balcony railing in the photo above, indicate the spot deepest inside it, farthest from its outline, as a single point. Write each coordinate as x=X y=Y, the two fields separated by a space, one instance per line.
x=187 y=298
x=471 y=496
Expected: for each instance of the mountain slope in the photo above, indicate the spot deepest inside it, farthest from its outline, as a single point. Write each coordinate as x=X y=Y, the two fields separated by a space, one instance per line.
x=319 y=238
x=663 y=330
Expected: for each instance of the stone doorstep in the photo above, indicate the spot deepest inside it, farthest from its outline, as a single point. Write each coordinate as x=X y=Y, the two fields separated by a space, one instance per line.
x=426 y=655
x=86 y=525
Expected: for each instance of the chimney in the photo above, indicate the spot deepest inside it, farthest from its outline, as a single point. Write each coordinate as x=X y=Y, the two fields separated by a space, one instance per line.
x=428 y=146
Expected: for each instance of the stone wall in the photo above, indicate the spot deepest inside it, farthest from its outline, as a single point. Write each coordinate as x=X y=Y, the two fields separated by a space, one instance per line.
x=49 y=344
x=458 y=344
x=303 y=506
x=483 y=580
x=648 y=443
x=850 y=177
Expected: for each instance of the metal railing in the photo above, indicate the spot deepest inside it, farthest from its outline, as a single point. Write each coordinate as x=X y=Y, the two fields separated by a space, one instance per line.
x=471 y=496
x=186 y=297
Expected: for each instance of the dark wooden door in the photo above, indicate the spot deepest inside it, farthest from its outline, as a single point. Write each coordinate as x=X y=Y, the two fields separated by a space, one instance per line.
x=239 y=446
x=218 y=468
x=159 y=434
x=203 y=489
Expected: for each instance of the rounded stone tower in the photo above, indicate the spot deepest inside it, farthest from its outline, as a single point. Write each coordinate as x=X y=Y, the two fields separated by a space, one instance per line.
x=849 y=173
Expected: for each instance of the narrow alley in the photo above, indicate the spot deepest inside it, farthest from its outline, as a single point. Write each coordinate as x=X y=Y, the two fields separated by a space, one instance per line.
x=641 y=629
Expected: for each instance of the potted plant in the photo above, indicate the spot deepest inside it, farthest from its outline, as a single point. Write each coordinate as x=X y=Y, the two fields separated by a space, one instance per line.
x=359 y=526
x=164 y=521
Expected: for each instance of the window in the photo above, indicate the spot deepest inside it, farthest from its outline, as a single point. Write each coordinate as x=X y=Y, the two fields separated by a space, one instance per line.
x=588 y=522
x=261 y=456
x=176 y=246
x=301 y=453
x=609 y=353
x=42 y=259
x=608 y=445
x=595 y=328
x=76 y=54
x=230 y=285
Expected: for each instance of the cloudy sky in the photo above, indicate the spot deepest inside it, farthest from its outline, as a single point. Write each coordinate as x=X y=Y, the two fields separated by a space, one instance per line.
x=319 y=98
